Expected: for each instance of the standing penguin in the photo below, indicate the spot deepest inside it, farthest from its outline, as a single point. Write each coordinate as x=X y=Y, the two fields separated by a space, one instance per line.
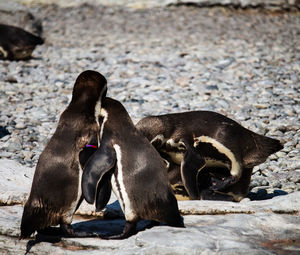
x=212 y=154
x=56 y=188
x=128 y=163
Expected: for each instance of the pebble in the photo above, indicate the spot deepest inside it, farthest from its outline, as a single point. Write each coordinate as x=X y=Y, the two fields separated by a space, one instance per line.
x=20 y=125
x=155 y=67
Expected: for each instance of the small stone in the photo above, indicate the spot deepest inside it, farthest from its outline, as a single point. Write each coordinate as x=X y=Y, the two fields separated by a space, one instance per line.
x=182 y=81
x=261 y=106
x=225 y=63
x=11 y=79
x=276 y=184
x=280 y=154
x=20 y=125
x=27 y=155
x=5 y=154
x=245 y=200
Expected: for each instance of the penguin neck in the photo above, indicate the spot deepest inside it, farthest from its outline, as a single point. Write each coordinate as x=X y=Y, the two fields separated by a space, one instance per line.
x=82 y=108
x=116 y=116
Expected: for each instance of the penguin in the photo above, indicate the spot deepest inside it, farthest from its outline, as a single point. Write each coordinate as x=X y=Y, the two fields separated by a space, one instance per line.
x=211 y=154
x=129 y=165
x=56 y=187
x=16 y=43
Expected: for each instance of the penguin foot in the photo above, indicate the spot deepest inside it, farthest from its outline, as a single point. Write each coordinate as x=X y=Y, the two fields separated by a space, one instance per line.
x=152 y=224
x=65 y=230
x=129 y=230
x=50 y=231
x=68 y=231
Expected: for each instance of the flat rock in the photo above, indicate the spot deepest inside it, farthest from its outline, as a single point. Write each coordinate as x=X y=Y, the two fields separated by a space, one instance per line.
x=275 y=205
x=269 y=227
x=214 y=227
x=15 y=182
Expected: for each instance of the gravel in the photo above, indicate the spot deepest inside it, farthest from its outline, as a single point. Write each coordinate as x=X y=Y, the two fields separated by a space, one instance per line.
x=242 y=63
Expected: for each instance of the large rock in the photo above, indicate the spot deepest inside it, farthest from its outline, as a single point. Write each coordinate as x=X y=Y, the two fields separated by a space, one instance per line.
x=261 y=227
x=212 y=227
x=15 y=182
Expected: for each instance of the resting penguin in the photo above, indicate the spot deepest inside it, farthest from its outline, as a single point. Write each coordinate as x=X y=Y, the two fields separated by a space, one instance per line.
x=127 y=163
x=16 y=43
x=211 y=147
x=56 y=188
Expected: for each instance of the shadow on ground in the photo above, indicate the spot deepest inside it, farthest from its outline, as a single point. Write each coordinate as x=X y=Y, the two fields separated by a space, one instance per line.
x=262 y=194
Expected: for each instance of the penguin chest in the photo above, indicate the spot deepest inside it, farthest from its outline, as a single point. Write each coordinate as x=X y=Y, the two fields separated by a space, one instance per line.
x=176 y=157
x=217 y=154
x=214 y=153
x=175 y=150
x=68 y=215
x=120 y=187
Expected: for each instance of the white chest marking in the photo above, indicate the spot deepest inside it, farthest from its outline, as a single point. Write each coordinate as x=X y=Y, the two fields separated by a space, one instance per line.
x=119 y=188
x=160 y=138
x=97 y=111
x=235 y=165
x=104 y=114
x=173 y=144
x=215 y=163
x=4 y=52
x=176 y=157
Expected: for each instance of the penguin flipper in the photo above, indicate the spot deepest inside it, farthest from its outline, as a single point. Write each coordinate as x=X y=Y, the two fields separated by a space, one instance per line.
x=190 y=165
x=103 y=160
x=103 y=192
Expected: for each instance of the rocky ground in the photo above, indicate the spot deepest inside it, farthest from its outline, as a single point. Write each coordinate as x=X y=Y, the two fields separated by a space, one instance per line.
x=212 y=227
x=242 y=63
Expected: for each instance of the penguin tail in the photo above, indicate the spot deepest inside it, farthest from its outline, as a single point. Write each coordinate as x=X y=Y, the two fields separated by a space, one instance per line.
x=35 y=218
x=263 y=147
x=27 y=224
x=172 y=216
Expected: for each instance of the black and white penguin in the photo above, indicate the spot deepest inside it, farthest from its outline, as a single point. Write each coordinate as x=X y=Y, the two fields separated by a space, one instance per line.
x=128 y=163
x=56 y=188
x=16 y=43
x=210 y=153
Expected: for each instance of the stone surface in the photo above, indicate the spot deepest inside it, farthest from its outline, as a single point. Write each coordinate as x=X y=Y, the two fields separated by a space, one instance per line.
x=242 y=63
x=279 y=4
x=213 y=227
x=253 y=81
x=15 y=182
x=260 y=227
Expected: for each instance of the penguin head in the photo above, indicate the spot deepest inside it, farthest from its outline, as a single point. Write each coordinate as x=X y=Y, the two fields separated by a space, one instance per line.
x=89 y=90
x=90 y=87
